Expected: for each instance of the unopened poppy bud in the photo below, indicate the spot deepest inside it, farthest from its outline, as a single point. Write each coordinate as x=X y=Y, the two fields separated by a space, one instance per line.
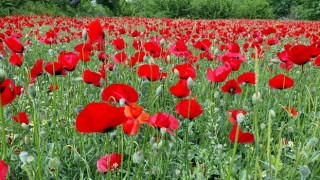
x=2 y=75
x=168 y=58
x=54 y=163
x=32 y=91
x=159 y=90
x=262 y=125
x=216 y=94
x=163 y=131
x=151 y=60
x=275 y=61
x=272 y=113
x=50 y=52
x=122 y=102
x=176 y=72
x=256 y=98
x=146 y=59
x=304 y=171
x=137 y=157
x=160 y=144
x=30 y=159
x=190 y=83
x=240 y=117
x=162 y=42
x=84 y=34
x=26 y=139
x=23 y=156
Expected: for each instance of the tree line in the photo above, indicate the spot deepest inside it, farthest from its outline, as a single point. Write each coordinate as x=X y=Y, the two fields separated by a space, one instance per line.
x=194 y=9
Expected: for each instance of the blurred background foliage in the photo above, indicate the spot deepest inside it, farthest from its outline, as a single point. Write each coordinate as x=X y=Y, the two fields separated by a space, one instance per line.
x=194 y=9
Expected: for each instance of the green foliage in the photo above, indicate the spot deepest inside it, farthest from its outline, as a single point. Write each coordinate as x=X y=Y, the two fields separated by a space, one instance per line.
x=307 y=9
x=194 y=9
x=7 y=6
x=252 y=9
x=281 y=8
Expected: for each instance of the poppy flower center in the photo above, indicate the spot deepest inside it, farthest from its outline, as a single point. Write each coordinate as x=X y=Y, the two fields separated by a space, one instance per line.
x=231 y=90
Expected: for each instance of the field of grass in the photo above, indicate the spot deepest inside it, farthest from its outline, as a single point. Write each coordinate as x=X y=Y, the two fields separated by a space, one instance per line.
x=138 y=98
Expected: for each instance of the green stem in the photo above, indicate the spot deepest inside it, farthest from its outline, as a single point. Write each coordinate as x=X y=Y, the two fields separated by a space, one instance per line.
x=233 y=153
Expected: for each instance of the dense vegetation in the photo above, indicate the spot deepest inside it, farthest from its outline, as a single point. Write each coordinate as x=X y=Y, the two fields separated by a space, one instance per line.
x=207 y=9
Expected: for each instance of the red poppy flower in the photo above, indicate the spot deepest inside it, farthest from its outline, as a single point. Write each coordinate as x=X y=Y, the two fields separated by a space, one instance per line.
x=16 y=59
x=281 y=81
x=153 y=49
x=115 y=92
x=180 y=49
x=4 y=168
x=14 y=44
x=69 y=60
x=83 y=47
x=150 y=72
x=99 y=117
x=90 y=77
x=181 y=89
x=135 y=117
x=53 y=87
x=300 y=54
x=84 y=56
x=120 y=57
x=95 y=31
x=118 y=44
x=185 y=71
x=233 y=48
x=21 y=118
x=272 y=41
x=8 y=92
x=243 y=137
x=247 y=77
x=203 y=45
x=219 y=74
x=109 y=162
x=18 y=90
x=189 y=108
x=317 y=61
x=231 y=87
x=55 y=68
x=164 y=120
x=36 y=70
x=234 y=113
x=103 y=56
x=207 y=55
x=291 y=110
x=136 y=44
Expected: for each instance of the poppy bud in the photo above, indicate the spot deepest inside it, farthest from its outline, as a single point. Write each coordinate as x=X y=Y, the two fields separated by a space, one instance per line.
x=32 y=91
x=159 y=90
x=151 y=60
x=190 y=83
x=146 y=59
x=122 y=102
x=176 y=72
x=304 y=171
x=275 y=61
x=26 y=139
x=256 y=98
x=137 y=157
x=216 y=94
x=84 y=34
x=163 y=131
x=263 y=125
x=54 y=163
x=240 y=117
x=30 y=159
x=162 y=42
x=2 y=75
x=50 y=52
x=272 y=113
x=23 y=156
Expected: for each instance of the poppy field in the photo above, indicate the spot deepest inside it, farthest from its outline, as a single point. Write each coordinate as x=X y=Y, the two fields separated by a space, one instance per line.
x=149 y=98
